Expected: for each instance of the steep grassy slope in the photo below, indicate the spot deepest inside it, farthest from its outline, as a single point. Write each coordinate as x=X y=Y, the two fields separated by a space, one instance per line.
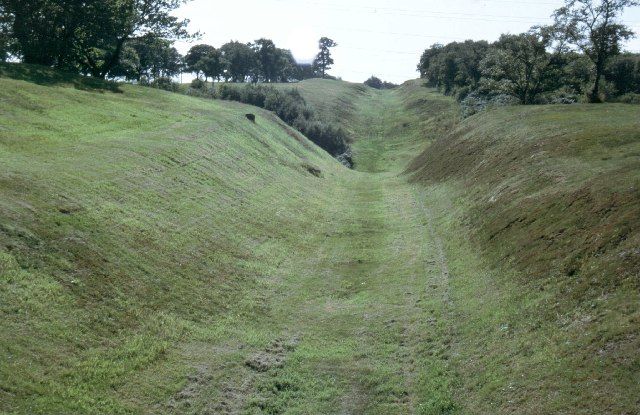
x=131 y=224
x=537 y=209
x=334 y=101
x=161 y=254
x=549 y=308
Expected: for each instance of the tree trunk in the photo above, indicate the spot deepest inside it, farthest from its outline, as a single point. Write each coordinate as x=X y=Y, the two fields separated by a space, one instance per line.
x=594 y=97
x=113 y=59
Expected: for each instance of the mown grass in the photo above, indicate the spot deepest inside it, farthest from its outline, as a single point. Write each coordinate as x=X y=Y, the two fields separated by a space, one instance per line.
x=130 y=224
x=334 y=101
x=154 y=247
x=547 y=199
x=153 y=243
x=537 y=209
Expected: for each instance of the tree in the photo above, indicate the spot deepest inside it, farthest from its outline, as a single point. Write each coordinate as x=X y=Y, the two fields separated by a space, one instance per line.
x=267 y=59
x=128 y=66
x=593 y=27
x=41 y=29
x=148 y=57
x=195 y=55
x=303 y=71
x=624 y=73
x=240 y=61
x=453 y=67
x=87 y=35
x=6 y=37
x=211 y=65
x=323 y=60
x=374 y=82
x=520 y=65
x=109 y=25
x=287 y=66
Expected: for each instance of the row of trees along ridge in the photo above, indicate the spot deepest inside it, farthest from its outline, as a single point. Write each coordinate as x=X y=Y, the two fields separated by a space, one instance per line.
x=133 y=39
x=579 y=55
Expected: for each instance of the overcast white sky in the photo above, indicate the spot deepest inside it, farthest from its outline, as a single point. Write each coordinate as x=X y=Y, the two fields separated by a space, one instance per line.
x=376 y=37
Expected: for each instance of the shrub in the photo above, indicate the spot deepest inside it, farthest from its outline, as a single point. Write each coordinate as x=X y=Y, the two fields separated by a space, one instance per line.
x=561 y=96
x=229 y=93
x=202 y=93
x=198 y=84
x=291 y=107
x=253 y=95
x=630 y=98
x=377 y=83
x=374 y=82
x=166 y=84
x=476 y=102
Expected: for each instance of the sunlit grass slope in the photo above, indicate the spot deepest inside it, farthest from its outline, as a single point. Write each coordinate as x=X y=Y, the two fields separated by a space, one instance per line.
x=538 y=210
x=130 y=224
x=161 y=254
x=387 y=128
x=541 y=208
x=333 y=100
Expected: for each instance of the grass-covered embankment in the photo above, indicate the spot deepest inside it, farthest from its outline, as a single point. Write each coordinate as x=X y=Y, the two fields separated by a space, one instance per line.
x=547 y=200
x=162 y=254
x=132 y=225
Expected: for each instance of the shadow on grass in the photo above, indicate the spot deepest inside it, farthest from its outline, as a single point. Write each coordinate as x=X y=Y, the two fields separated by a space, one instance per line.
x=43 y=75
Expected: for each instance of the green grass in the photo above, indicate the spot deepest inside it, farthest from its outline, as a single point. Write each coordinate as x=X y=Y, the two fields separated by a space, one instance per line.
x=547 y=198
x=155 y=249
x=130 y=224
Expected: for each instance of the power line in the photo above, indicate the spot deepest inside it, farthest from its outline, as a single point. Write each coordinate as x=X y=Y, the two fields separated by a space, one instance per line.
x=349 y=29
x=426 y=13
x=396 y=52
x=437 y=14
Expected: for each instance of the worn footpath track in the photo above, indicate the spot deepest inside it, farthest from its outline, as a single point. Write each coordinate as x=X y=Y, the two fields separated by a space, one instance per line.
x=364 y=329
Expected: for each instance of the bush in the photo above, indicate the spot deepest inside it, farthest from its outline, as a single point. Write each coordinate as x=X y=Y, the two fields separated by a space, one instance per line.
x=253 y=95
x=475 y=103
x=202 y=93
x=374 y=82
x=630 y=98
x=166 y=84
x=377 y=83
x=198 y=84
x=463 y=92
x=329 y=137
x=291 y=107
x=229 y=93
x=561 y=96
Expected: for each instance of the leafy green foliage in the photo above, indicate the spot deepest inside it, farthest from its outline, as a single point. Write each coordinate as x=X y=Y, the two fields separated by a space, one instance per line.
x=519 y=65
x=195 y=57
x=623 y=72
x=240 y=61
x=148 y=57
x=273 y=64
x=539 y=66
x=89 y=37
x=453 y=66
x=377 y=83
x=291 y=107
x=593 y=27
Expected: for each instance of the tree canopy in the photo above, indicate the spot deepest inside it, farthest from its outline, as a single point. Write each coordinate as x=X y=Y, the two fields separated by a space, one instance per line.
x=593 y=27
x=519 y=65
x=86 y=35
x=575 y=57
x=323 y=61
